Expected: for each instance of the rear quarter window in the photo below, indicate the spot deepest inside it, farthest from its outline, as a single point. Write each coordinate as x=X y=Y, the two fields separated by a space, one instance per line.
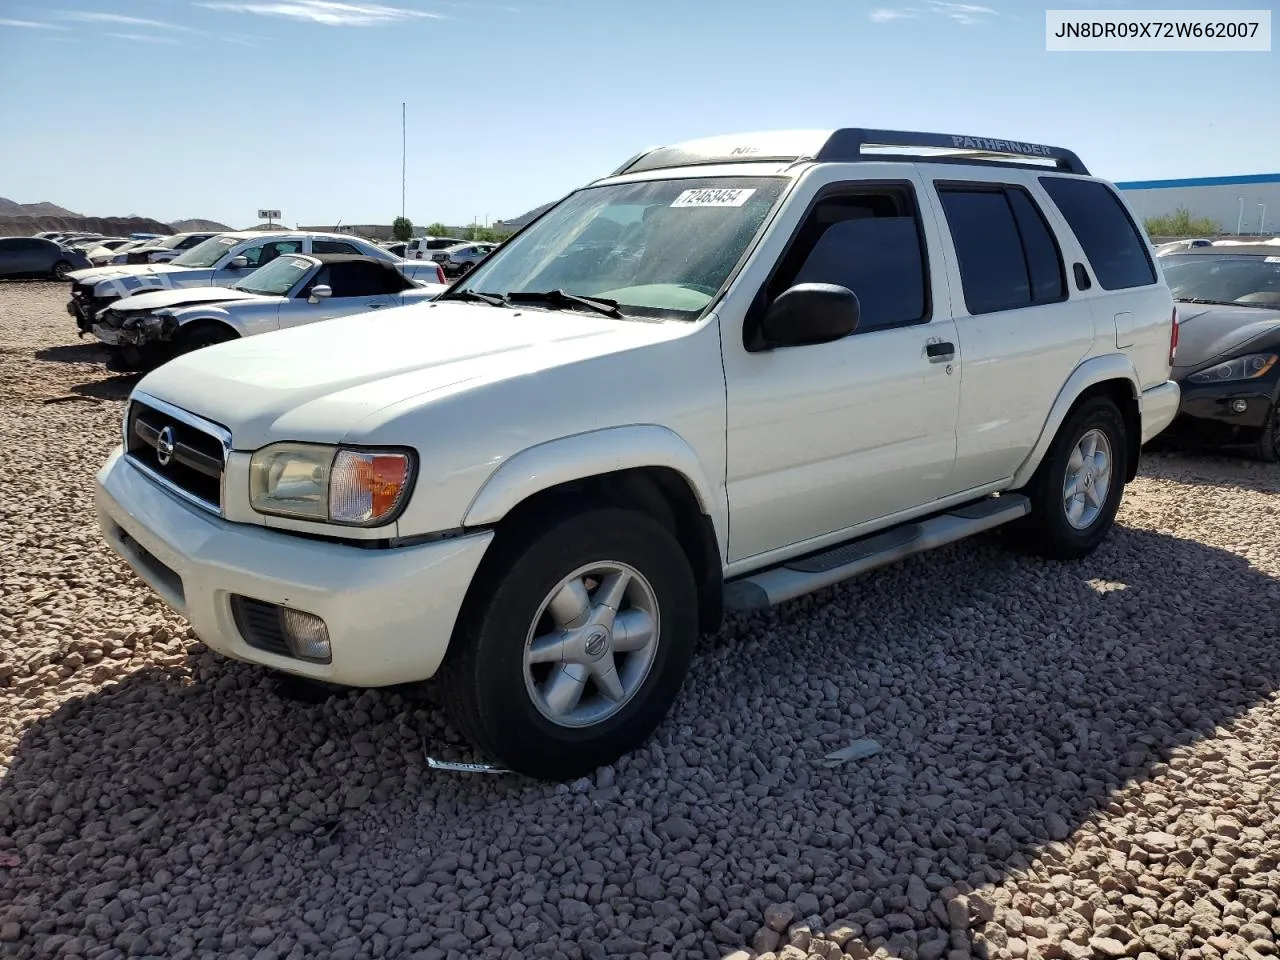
x=1111 y=240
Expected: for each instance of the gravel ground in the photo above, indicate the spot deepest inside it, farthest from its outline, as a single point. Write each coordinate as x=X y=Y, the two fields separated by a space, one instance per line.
x=1074 y=760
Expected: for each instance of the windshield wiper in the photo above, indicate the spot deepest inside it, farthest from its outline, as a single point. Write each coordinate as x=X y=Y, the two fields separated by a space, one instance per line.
x=558 y=298
x=1218 y=303
x=492 y=299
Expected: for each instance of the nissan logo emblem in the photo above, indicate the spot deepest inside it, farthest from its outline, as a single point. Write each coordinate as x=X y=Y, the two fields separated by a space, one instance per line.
x=164 y=446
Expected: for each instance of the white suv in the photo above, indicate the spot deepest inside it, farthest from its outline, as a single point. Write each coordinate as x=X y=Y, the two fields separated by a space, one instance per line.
x=734 y=371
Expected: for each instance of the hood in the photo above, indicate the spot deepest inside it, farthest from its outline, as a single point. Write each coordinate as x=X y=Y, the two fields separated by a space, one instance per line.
x=184 y=297
x=317 y=382
x=1210 y=333
x=120 y=270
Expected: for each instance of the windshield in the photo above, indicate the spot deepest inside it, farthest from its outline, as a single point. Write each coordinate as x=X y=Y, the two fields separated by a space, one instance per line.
x=205 y=254
x=168 y=243
x=1246 y=281
x=276 y=278
x=661 y=248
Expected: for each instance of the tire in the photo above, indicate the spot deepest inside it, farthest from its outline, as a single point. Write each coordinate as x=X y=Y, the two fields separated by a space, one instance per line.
x=507 y=706
x=202 y=335
x=1052 y=529
x=1267 y=449
x=61 y=269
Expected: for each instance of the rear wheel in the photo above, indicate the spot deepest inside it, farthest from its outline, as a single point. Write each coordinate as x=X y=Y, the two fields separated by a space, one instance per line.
x=61 y=269
x=574 y=642
x=1076 y=490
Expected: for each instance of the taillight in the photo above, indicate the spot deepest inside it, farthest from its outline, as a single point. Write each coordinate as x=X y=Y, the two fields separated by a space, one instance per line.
x=1173 y=338
x=439 y=274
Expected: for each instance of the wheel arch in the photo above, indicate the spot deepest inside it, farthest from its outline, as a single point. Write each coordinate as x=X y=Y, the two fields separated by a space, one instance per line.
x=188 y=328
x=1112 y=376
x=644 y=467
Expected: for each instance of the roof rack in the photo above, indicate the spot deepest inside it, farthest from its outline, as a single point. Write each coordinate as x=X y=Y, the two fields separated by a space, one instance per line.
x=852 y=144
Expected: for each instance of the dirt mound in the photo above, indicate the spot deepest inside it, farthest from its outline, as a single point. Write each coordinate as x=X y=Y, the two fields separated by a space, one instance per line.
x=11 y=208
x=25 y=226
x=191 y=226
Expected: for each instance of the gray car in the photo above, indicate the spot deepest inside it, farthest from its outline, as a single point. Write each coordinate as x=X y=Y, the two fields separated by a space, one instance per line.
x=35 y=257
x=463 y=257
x=219 y=261
x=290 y=291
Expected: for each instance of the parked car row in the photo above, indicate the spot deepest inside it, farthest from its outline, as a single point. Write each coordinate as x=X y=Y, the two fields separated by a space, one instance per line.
x=240 y=284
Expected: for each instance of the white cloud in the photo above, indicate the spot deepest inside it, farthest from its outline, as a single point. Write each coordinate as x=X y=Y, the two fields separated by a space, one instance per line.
x=30 y=24
x=966 y=13
x=144 y=38
x=332 y=13
x=885 y=15
x=89 y=16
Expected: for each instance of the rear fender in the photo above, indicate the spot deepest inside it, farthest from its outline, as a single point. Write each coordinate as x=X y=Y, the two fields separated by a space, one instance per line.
x=1095 y=370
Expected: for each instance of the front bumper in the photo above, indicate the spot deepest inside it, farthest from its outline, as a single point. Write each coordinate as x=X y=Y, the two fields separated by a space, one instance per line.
x=389 y=612
x=1207 y=412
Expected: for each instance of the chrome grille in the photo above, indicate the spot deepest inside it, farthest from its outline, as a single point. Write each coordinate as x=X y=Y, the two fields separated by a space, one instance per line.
x=183 y=452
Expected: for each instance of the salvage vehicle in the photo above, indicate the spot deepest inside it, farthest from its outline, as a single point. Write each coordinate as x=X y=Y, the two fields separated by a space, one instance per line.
x=164 y=249
x=291 y=290
x=217 y=261
x=725 y=375
x=457 y=260
x=1228 y=364
x=31 y=257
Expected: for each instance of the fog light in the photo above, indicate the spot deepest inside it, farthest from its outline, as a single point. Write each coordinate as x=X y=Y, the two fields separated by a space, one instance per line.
x=306 y=634
x=1239 y=406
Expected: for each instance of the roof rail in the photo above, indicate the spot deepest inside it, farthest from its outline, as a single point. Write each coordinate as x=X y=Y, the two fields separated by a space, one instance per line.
x=851 y=144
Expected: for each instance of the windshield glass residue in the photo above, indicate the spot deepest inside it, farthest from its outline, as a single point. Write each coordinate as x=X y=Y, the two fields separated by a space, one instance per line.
x=276 y=278
x=1246 y=281
x=205 y=254
x=661 y=248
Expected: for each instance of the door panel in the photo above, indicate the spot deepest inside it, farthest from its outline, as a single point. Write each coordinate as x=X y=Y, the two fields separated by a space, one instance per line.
x=1021 y=331
x=826 y=437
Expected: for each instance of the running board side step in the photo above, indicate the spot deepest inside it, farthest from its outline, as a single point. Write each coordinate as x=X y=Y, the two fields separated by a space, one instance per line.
x=806 y=574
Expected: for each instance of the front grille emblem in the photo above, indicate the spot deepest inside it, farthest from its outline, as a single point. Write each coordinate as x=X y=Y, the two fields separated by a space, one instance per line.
x=164 y=446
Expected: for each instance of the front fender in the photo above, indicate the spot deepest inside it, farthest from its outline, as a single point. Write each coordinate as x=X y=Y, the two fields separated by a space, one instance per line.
x=185 y=318
x=592 y=454
x=1095 y=370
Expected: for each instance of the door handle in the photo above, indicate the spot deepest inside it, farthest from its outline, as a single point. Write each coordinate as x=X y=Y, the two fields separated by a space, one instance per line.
x=375 y=306
x=940 y=352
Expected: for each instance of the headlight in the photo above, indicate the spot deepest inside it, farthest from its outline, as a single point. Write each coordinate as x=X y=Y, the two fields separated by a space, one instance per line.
x=355 y=488
x=1248 y=367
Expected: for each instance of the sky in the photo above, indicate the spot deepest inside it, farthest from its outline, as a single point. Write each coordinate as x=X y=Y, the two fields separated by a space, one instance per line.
x=217 y=108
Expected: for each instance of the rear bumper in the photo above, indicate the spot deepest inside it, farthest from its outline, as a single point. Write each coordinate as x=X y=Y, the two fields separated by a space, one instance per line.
x=1159 y=406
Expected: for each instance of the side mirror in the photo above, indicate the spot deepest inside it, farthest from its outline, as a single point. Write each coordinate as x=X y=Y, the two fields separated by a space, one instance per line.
x=810 y=313
x=319 y=292
x=237 y=263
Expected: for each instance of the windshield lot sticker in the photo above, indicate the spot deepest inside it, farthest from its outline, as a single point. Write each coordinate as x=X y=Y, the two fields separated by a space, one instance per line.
x=713 y=198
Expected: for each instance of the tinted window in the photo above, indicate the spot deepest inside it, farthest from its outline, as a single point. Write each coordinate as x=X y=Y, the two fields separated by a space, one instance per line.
x=332 y=246
x=7 y=246
x=870 y=244
x=1008 y=257
x=360 y=278
x=993 y=270
x=1044 y=261
x=188 y=242
x=260 y=256
x=1115 y=248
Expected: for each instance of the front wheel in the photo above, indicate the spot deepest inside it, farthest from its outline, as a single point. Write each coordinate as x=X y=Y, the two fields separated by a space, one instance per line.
x=574 y=642
x=202 y=335
x=1267 y=448
x=1076 y=491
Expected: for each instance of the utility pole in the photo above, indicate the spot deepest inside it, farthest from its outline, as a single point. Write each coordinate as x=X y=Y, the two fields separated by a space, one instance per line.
x=404 y=152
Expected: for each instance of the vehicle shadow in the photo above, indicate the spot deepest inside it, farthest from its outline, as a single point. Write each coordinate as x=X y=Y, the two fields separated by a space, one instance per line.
x=88 y=352
x=1210 y=468
x=1009 y=699
x=112 y=388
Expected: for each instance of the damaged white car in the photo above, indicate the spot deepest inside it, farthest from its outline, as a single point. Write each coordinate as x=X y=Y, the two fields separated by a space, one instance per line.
x=291 y=290
x=217 y=262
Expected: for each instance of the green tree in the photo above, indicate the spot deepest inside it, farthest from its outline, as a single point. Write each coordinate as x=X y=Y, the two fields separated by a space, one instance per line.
x=402 y=229
x=1181 y=223
x=437 y=229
